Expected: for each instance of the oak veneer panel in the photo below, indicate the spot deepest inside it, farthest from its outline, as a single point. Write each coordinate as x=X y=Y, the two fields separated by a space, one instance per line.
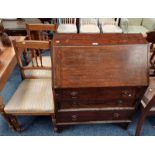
x=101 y=39
x=101 y=66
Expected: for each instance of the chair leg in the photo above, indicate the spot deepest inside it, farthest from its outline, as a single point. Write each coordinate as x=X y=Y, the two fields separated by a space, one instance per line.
x=140 y=121
x=11 y=120
x=15 y=123
x=5 y=116
x=54 y=123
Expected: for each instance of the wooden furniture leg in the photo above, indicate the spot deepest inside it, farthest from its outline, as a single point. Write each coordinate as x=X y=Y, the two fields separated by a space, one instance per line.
x=11 y=120
x=54 y=123
x=15 y=123
x=140 y=121
x=144 y=112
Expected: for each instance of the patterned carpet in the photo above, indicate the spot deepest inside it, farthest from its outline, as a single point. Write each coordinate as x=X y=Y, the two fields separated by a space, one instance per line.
x=42 y=126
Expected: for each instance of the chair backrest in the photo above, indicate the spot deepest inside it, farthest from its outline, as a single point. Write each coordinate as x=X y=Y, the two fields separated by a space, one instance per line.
x=39 y=31
x=135 y=21
x=108 y=21
x=33 y=50
x=67 y=20
x=88 y=21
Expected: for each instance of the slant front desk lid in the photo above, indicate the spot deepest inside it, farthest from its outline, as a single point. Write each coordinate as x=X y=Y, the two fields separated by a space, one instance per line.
x=99 y=60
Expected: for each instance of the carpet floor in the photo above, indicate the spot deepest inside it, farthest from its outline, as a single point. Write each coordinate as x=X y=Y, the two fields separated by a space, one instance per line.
x=42 y=126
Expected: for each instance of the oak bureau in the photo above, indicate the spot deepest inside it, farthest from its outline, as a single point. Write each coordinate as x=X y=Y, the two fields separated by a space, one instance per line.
x=98 y=78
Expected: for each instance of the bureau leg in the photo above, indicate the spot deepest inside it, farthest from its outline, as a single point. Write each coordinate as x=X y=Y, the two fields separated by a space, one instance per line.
x=124 y=125
x=55 y=127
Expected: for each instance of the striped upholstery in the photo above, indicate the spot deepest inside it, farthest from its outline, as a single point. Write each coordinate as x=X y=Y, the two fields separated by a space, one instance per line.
x=33 y=96
x=109 y=25
x=67 y=28
x=89 y=25
x=40 y=73
x=89 y=29
x=107 y=21
x=111 y=29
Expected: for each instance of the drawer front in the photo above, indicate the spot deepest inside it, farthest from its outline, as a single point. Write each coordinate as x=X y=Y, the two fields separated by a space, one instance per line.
x=96 y=104
x=97 y=94
x=84 y=116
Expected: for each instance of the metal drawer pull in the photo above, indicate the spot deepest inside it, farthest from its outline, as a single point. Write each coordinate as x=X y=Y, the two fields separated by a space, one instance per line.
x=120 y=101
x=95 y=44
x=116 y=115
x=74 y=117
x=126 y=93
x=74 y=93
x=74 y=103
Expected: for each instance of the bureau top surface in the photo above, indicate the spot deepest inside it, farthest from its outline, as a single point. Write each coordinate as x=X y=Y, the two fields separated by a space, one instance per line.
x=97 y=39
x=113 y=64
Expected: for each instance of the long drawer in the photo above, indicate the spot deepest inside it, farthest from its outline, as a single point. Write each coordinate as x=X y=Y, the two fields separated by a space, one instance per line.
x=103 y=115
x=96 y=103
x=96 y=94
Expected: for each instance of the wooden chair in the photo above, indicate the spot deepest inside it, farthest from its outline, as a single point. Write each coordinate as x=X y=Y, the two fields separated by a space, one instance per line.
x=89 y=25
x=67 y=25
x=109 y=25
x=40 y=32
x=150 y=37
x=147 y=105
x=34 y=95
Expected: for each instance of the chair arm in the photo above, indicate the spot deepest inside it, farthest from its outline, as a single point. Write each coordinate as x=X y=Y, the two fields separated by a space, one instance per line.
x=124 y=24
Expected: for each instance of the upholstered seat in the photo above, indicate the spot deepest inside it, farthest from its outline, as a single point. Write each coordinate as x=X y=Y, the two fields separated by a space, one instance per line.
x=33 y=96
x=111 y=29
x=109 y=25
x=89 y=29
x=137 y=25
x=40 y=73
x=67 y=28
x=137 y=29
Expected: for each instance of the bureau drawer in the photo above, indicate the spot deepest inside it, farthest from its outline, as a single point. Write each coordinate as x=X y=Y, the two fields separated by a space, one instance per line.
x=96 y=104
x=84 y=116
x=97 y=94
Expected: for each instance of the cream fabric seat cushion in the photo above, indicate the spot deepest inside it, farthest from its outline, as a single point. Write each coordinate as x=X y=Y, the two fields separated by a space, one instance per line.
x=67 y=28
x=137 y=29
x=46 y=60
x=32 y=96
x=111 y=29
x=90 y=28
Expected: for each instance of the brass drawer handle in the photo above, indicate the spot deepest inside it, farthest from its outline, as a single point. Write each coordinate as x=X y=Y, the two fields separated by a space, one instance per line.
x=116 y=115
x=126 y=93
x=75 y=104
x=73 y=93
x=120 y=101
x=74 y=97
x=74 y=117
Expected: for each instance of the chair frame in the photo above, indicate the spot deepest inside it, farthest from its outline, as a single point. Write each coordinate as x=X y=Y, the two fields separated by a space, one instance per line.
x=35 y=32
x=67 y=21
x=145 y=111
x=19 y=49
x=39 y=28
